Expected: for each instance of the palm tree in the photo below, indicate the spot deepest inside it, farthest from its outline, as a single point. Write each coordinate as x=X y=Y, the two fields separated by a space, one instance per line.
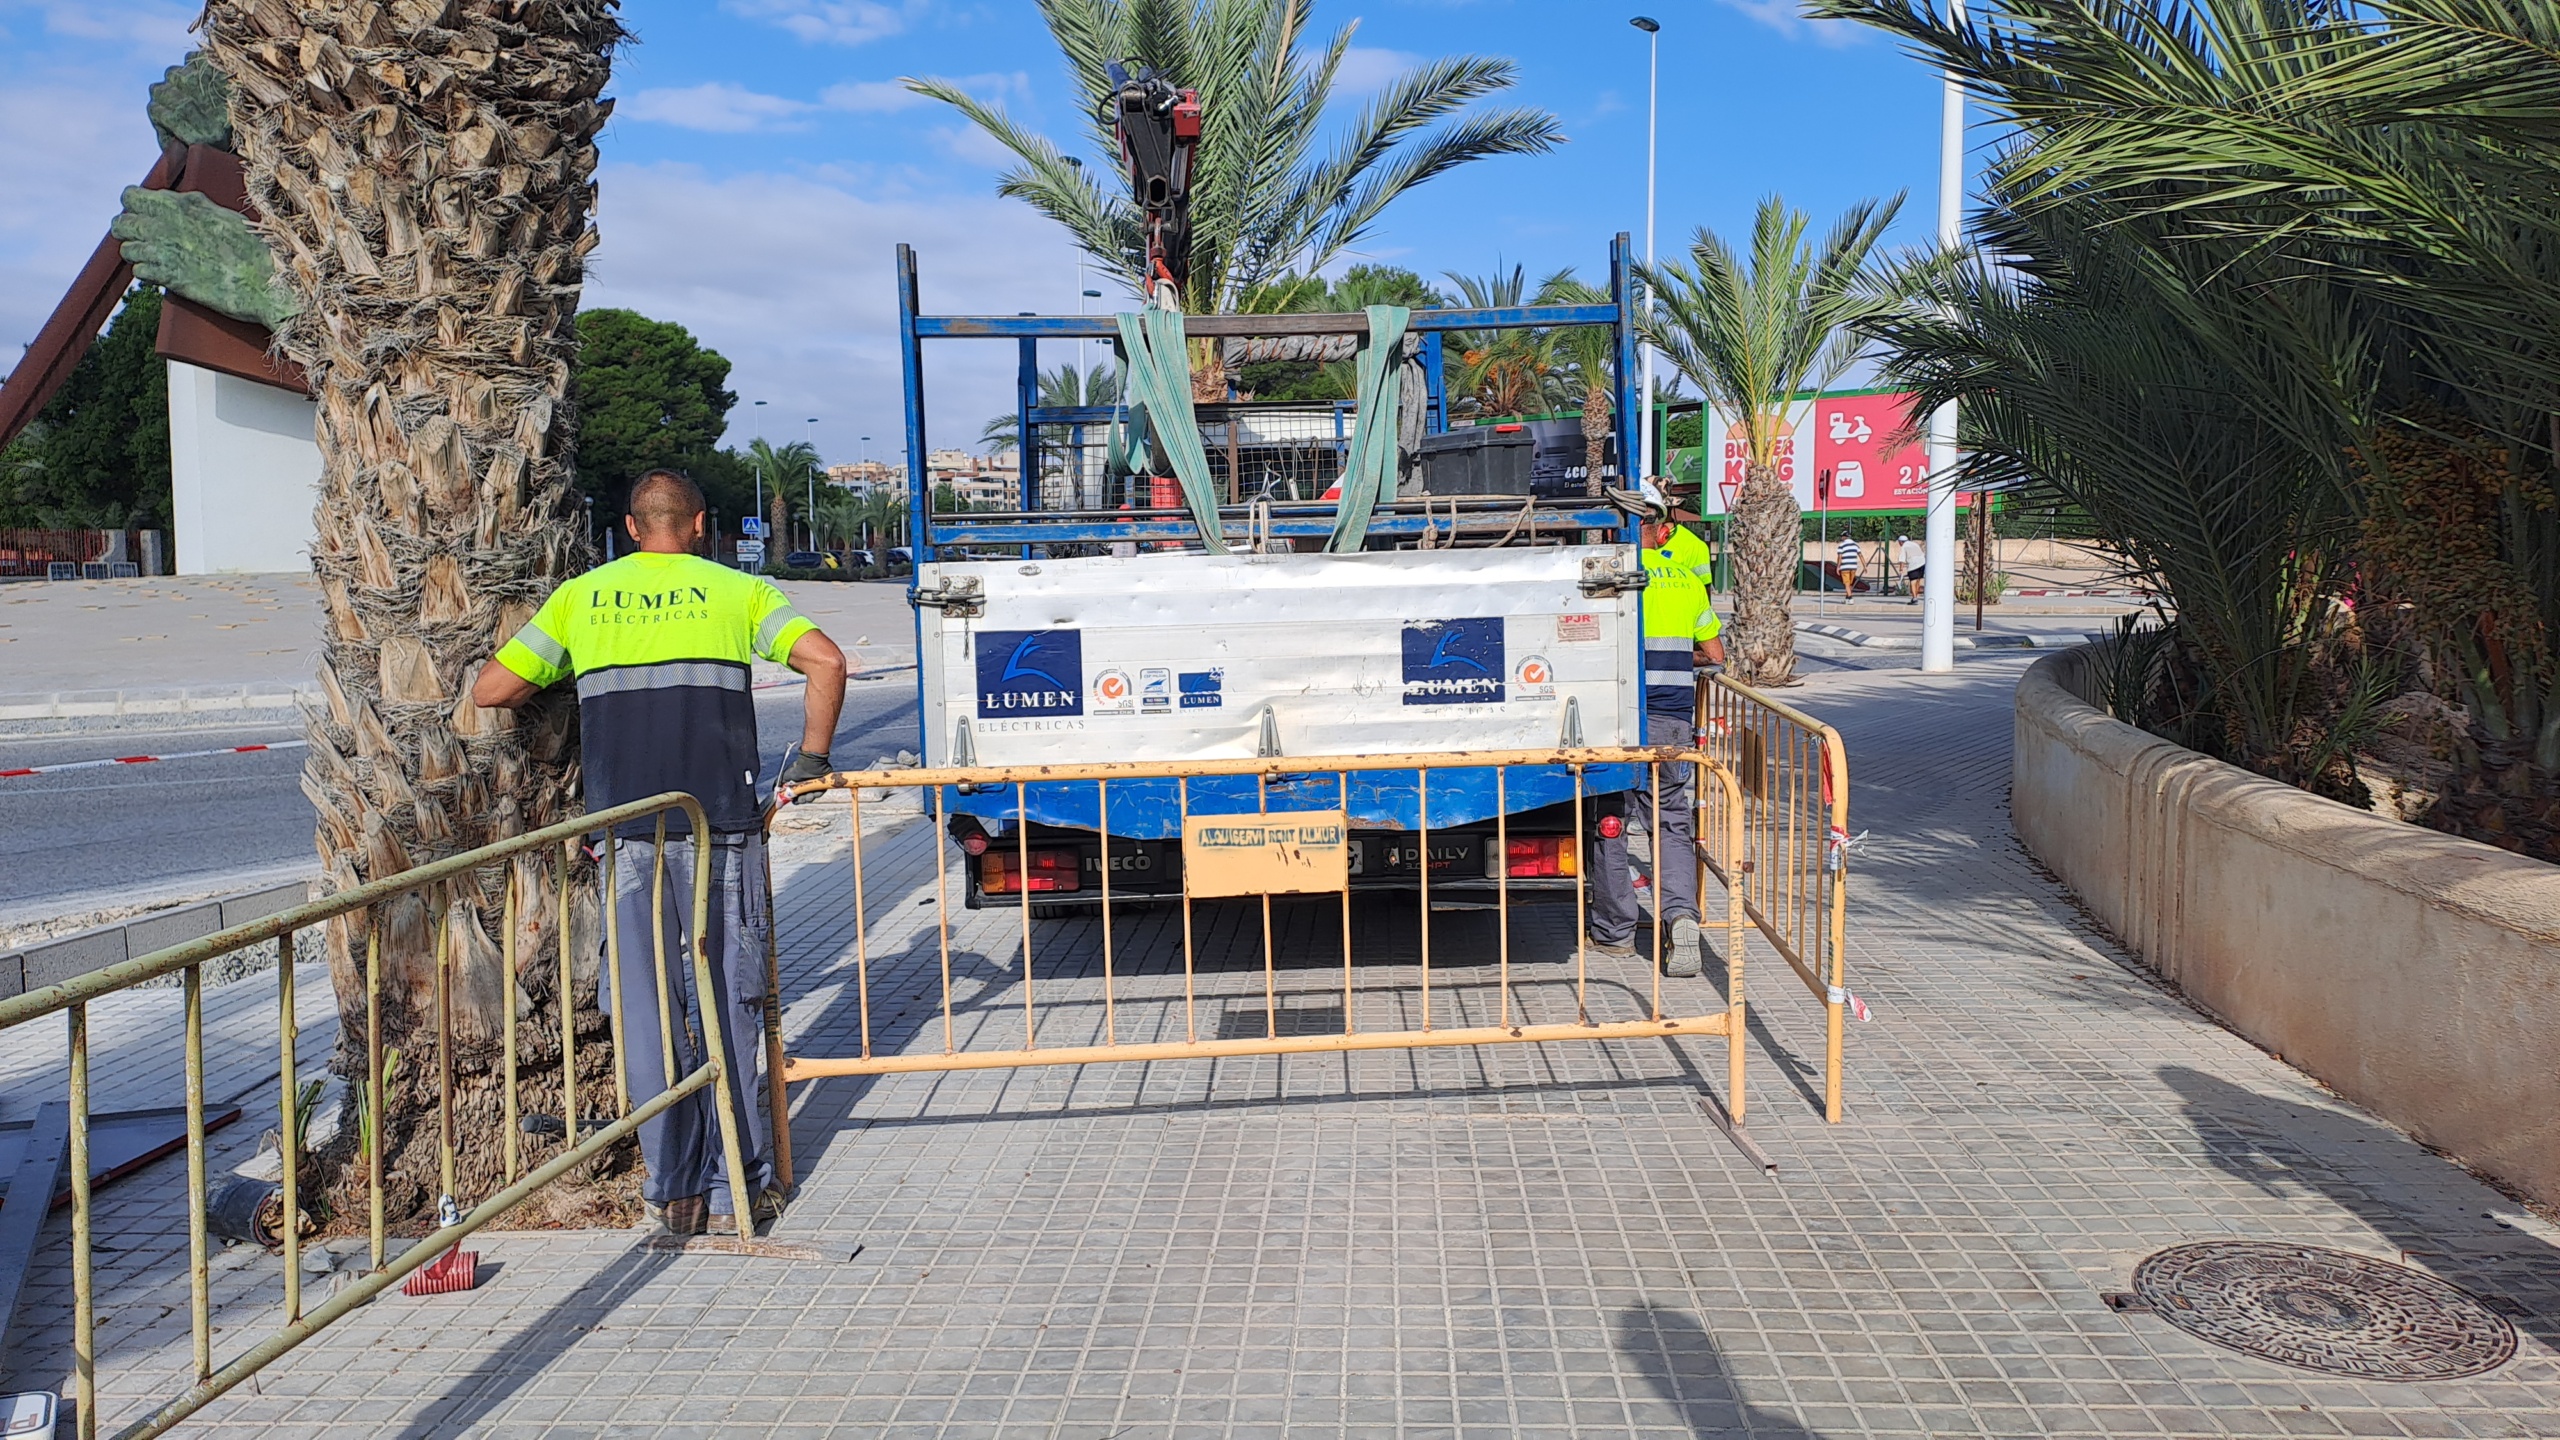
x=1588 y=355
x=2339 y=216
x=788 y=470
x=1504 y=372
x=1751 y=335
x=1264 y=200
x=429 y=214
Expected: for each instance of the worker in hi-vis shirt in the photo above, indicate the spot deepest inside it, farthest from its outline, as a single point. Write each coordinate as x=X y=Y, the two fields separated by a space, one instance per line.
x=1681 y=635
x=660 y=642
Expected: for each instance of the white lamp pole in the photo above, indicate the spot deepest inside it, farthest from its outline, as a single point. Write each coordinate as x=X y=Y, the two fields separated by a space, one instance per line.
x=809 y=437
x=1938 y=599
x=758 y=472
x=1652 y=29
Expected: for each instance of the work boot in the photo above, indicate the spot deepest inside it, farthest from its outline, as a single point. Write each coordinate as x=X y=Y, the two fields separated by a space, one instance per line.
x=684 y=1216
x=1614 y=949
x=1683 y=959
x=769 y=1206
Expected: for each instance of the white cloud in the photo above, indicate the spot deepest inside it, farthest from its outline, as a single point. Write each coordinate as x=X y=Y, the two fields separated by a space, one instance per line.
x=1787 y=17
x=833 y=22
x=973 y=146
x=66 y=153
x=717 y=106
x=730 y=109
x=871 y=97
x=792 y=278
x=155 y=26
x=1366 y=69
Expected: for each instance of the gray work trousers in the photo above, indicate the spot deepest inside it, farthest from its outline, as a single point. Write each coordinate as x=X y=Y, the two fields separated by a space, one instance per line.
x=1675 y=858
x=682 y=1145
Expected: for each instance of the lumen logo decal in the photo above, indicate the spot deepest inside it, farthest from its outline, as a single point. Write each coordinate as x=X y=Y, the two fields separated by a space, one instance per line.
x=1454 y=662
x=1029 y=673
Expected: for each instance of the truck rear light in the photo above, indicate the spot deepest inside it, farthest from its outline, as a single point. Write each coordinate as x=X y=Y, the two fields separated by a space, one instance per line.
x=1536 y=857
x=1611 y=827
x=999 y=872
x=975 y=842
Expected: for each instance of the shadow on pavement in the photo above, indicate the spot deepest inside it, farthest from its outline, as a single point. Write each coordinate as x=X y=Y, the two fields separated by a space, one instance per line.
x=2372 y=1172
x=494 y=1381
x=1680 y=1361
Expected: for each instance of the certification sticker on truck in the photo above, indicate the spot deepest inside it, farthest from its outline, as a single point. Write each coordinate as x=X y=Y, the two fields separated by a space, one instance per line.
x=1571 y=629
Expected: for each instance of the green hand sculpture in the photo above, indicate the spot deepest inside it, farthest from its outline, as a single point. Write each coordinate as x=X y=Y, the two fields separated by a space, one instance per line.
x=190 y=246
x=192 y=105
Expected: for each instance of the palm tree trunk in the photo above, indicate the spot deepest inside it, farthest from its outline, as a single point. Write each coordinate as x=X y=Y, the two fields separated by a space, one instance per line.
x=422 y=171
x=1768 y=553
x=1595 y=437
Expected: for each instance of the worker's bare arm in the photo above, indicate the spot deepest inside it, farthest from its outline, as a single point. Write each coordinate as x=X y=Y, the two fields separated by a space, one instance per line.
x=1710 y=652
x=816 y=656
x=500 y=688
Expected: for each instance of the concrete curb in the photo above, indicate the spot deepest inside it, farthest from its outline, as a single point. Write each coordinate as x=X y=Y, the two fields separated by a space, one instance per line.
x=187 y=701
x=54 y=961
x=1847 y=636
x=2408 y=970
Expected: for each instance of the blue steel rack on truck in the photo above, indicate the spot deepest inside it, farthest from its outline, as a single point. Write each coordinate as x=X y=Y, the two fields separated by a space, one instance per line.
x=1447 y=625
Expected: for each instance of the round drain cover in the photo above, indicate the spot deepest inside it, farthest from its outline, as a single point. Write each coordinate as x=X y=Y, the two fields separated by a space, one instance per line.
x=2324 y=1310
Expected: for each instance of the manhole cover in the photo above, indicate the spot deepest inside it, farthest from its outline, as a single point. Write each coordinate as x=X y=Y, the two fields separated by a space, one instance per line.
x=2324 y=1310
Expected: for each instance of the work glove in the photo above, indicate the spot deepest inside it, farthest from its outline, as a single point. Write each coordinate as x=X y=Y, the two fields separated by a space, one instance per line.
x=803 y=768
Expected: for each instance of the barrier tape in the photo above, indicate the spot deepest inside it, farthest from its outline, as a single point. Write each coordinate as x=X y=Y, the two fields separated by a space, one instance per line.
x=150 y=759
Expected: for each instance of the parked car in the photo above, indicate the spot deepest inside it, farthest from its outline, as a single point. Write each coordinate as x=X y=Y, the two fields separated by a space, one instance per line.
x=809 y=560
x=900 y=555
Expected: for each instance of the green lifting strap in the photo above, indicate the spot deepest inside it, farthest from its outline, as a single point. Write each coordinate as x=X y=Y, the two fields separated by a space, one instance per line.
x=1369 y=471
x=1159 y=368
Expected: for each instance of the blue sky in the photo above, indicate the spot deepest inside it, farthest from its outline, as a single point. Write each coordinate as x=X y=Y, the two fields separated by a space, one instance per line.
x=763 y=162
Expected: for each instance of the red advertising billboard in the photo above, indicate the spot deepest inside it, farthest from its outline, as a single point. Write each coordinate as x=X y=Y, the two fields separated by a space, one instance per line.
x=1861 y=439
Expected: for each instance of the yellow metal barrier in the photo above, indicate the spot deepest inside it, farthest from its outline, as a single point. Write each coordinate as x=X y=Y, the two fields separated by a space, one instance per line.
x=1783 y=852
x=73 y=997
x=1709 y=773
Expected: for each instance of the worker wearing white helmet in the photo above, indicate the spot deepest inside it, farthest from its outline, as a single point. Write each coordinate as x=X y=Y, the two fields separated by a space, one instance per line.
x=1681 y=633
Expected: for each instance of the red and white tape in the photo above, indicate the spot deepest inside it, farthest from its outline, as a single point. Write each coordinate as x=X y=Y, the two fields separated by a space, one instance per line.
x=149 y=759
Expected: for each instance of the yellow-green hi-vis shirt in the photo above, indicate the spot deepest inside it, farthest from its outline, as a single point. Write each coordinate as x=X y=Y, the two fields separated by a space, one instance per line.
x=661 y=647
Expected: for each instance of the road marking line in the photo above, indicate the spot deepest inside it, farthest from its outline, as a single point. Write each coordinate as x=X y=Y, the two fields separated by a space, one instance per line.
x=150 y=759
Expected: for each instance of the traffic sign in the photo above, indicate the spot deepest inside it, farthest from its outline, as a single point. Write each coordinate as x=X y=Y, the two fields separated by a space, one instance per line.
x=754 y=526
x=750 y=554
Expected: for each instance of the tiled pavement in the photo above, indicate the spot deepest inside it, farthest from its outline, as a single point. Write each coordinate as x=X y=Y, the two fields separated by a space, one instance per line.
x=1548 y=1241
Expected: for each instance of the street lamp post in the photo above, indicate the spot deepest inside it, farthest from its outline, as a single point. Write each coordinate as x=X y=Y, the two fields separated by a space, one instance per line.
x=1652 y=29
x=809 y=438
x=1938 y=599
x=757 y=471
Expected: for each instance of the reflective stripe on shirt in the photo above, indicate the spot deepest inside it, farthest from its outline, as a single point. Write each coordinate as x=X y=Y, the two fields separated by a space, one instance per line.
x=711 y=674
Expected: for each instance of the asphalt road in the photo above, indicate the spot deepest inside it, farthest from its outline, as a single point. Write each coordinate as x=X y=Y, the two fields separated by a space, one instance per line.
x=89 y=839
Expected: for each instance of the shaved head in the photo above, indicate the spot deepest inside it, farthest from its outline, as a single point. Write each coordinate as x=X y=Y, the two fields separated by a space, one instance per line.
x=664 y=500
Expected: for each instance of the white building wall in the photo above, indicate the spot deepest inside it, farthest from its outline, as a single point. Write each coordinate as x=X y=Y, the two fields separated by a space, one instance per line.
x=245 y=471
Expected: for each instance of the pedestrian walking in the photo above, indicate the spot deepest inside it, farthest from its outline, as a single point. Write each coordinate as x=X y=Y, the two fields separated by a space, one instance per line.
x=1848 y=565
x=1681 y=633
x=1914 y=561
x=660 y=643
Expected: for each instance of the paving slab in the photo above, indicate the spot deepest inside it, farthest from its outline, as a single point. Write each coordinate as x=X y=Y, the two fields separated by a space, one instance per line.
x=1523 y=1241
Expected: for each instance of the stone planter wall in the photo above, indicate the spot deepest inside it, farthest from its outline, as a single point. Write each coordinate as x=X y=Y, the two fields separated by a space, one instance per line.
x=2417 y=974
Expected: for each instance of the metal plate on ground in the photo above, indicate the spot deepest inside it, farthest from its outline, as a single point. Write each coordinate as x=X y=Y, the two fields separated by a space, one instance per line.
x=2324 y=1310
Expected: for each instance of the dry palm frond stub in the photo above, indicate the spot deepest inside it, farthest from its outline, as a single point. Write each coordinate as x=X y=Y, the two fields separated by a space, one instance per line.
x=423 y=170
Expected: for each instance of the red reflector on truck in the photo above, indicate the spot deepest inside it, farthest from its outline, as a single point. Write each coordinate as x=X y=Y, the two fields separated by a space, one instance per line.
x=1534 y=857
x=999 y=874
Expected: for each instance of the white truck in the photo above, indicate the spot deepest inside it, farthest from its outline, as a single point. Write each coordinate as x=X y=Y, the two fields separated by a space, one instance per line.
x=1173 y=657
